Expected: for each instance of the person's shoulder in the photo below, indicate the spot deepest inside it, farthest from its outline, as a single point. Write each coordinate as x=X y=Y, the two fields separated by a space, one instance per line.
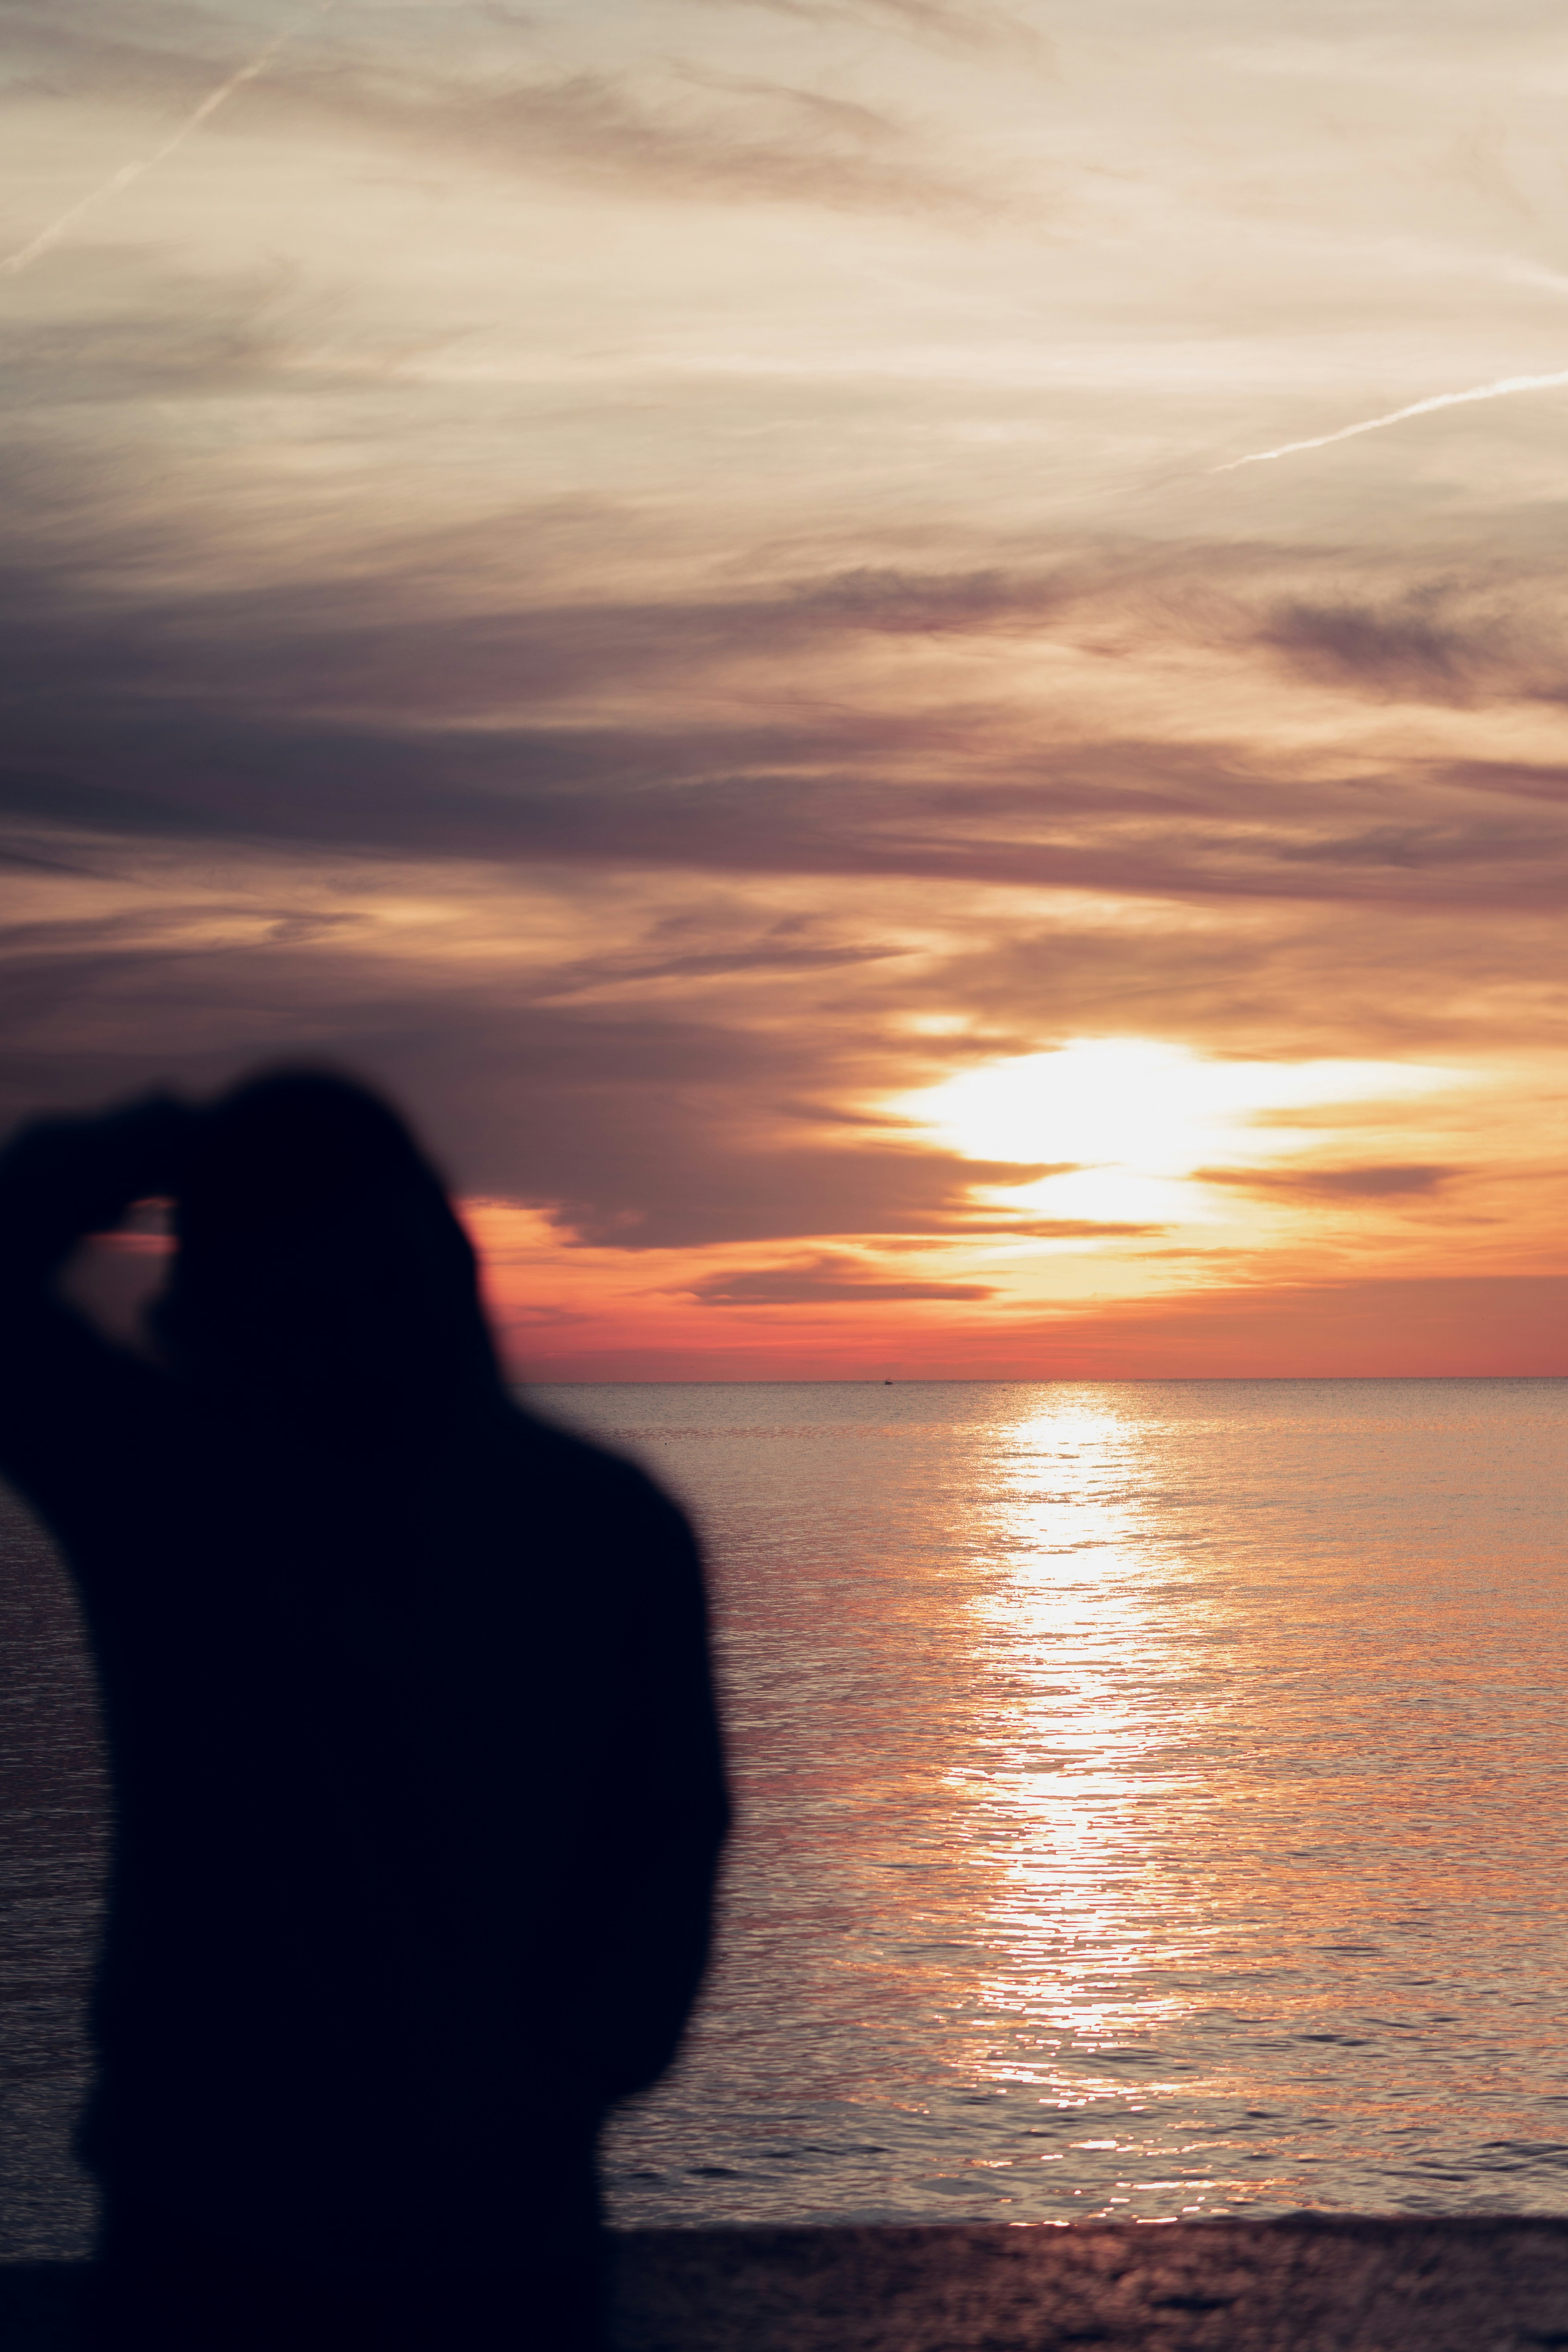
x=578 y=1469
x=550 y=1450
x=573 y=1535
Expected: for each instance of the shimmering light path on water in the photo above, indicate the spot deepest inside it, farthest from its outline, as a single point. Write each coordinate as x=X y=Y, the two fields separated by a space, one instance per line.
x=1155 y=1799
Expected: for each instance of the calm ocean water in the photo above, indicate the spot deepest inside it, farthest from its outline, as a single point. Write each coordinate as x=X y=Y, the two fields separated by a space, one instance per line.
x=1154 y=1803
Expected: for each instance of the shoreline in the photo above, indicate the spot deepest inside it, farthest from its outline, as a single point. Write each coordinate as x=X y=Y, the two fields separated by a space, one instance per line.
x=1305 y=2283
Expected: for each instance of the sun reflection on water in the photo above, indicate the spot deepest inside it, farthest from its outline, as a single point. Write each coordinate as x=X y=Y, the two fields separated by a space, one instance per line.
x=1149 y=1801
x=1075 y=1745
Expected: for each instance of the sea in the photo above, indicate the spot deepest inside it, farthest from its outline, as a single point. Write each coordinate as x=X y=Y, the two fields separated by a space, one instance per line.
x=1153 y=1803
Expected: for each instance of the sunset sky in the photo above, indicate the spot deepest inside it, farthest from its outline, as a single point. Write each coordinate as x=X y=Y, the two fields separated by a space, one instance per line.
x=671 y=581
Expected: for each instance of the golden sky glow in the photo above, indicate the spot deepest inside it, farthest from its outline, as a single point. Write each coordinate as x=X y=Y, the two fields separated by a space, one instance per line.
x=677 y=584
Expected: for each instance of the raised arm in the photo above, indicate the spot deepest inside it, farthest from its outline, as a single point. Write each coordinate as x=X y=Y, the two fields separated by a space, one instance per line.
x=63 y=1178
x=59 y=1181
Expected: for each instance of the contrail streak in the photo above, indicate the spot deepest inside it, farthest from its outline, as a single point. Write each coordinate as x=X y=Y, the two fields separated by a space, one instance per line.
x=15 y=263
x=1497 y=391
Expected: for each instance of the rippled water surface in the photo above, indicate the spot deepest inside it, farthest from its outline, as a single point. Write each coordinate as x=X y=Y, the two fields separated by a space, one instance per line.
x=1153 y=1799
x=1153 y=1803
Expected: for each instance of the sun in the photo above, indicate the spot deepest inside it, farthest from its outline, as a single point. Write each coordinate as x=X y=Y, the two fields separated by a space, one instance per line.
x=1139 y=1109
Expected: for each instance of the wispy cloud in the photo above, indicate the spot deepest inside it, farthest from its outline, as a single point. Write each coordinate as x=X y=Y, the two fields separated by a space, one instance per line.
x=1504 y=388
x=679 y=137
x=961 y=25
x=655 y=126
x=1378 y=1183
x=1412 y=647
x=14 y=264
x=323 y=718
x=832 y=1278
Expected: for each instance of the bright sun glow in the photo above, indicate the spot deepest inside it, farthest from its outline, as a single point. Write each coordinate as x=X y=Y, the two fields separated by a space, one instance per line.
x=1154 y=1110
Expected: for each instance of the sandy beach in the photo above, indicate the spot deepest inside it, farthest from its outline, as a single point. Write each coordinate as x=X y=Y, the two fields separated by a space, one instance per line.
x=1309 y=2283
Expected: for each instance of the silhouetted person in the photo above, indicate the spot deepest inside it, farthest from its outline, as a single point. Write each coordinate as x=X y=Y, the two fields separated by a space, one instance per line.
x=416 y=1780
